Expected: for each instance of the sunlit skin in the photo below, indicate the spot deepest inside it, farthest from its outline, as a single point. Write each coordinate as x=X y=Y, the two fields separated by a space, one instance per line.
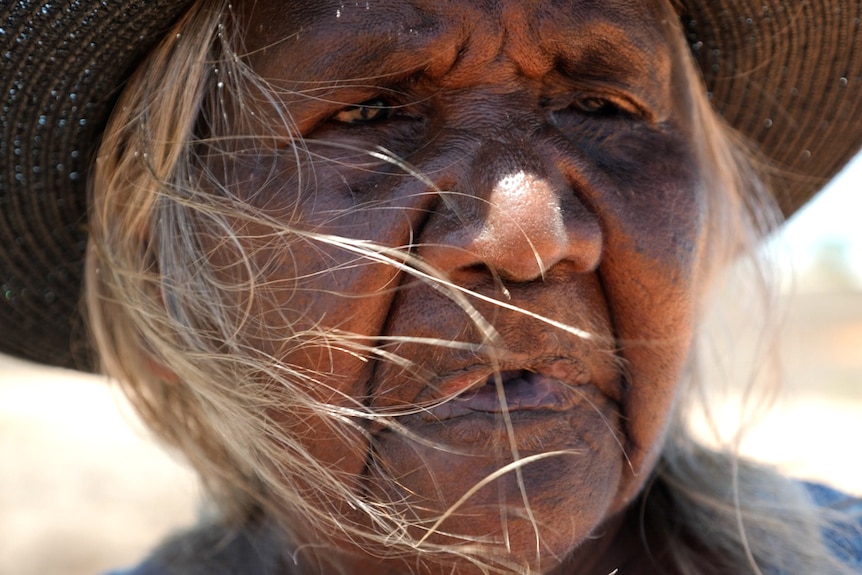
x=557 y=177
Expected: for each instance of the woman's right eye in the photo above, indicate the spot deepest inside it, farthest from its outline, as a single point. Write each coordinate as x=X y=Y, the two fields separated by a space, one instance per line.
x=370 y=111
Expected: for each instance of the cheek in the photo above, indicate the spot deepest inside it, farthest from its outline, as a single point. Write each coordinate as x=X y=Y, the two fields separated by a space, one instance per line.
x=306 y=309
x=655 y=223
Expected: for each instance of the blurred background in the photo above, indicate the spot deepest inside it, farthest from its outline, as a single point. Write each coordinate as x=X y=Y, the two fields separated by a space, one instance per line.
x=82 y=488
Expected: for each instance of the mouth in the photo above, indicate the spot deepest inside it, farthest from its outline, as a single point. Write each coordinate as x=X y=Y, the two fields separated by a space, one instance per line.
x=550 y=388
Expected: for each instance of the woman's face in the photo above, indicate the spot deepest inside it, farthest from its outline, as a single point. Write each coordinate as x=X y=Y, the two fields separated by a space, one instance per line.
x=535 y=155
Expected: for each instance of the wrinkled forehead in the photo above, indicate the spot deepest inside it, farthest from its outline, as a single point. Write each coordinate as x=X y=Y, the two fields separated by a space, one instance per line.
x=327 y=40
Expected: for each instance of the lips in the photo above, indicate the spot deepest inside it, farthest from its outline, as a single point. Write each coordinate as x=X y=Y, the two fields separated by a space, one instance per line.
x=552 y=388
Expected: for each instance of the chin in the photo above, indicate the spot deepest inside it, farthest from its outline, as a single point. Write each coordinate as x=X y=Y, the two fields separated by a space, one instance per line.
x=522 y=497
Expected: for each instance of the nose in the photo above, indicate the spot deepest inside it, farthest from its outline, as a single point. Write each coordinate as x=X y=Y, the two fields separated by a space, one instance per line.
x=518 y=219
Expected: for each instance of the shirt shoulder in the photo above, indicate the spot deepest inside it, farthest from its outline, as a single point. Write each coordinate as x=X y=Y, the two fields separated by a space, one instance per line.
x=844 y=533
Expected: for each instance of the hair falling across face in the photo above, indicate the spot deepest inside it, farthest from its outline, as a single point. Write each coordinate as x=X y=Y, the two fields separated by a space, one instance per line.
x=419 y=278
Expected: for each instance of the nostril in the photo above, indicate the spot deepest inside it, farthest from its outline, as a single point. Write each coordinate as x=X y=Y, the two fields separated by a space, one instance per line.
x=479 y=269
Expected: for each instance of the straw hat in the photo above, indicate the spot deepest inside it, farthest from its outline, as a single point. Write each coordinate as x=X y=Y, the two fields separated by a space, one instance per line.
x=786 y=74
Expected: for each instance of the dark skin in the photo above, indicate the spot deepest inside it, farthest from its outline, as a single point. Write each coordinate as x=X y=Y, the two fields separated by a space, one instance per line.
x=557 y=177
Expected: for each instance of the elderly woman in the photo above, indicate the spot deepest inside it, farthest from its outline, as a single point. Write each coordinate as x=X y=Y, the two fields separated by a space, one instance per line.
x=414 y=285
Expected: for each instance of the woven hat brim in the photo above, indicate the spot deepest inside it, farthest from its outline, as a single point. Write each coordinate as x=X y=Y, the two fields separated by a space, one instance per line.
x=62 y=65
x=786 y=75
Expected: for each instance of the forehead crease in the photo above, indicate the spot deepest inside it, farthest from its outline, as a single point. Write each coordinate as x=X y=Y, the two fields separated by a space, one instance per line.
x=331 y=41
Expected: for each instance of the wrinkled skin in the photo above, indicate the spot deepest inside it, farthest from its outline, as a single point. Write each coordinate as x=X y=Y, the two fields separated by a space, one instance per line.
x=558 y=178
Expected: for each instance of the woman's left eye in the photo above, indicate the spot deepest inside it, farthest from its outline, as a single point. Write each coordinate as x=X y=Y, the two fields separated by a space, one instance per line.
x=374 y=110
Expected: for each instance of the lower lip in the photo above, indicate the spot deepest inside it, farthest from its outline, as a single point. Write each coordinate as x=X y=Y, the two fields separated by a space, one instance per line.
x=571 y=423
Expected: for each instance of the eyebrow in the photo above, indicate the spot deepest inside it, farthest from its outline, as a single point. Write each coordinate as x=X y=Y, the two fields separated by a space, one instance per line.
x=612 y=53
